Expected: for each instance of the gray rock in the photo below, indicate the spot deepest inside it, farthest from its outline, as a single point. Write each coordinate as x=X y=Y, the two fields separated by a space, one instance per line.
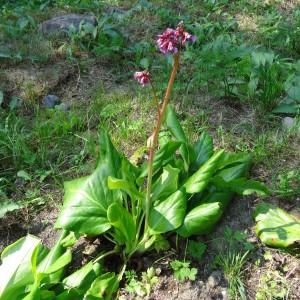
x=65 y=106
x=61 y=24
x=214 y=279
x=50 y=101
x=289 y=123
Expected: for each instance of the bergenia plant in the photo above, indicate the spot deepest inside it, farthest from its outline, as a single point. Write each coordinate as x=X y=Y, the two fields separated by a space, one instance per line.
x=183 y=188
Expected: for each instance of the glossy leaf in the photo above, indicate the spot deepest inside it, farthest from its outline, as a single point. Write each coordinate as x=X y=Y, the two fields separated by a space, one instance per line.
x=82 y=278
x=162 y=157
x=55 y=260
x=175 y=128
x=103 y=287
x=241 y=186
x=18 y=266
x=203 y=149
x=200 y=179
x=168 y=214
x=87 y=199
x=223 y=198
x=166 y=184
x=234 y=172
x=275 y=227
x=124 y=185
x=201 y=219
x=285 y=108
x=230 y=159
x=123 y=222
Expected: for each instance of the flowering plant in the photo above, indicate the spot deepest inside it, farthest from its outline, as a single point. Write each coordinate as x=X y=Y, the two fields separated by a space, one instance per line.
x=188 y=186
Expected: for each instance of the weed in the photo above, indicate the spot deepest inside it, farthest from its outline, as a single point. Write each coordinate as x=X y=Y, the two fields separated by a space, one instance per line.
x=272 y=285
x=196 y=249
x=182 y=270
x=143 y=287
x=232 y=260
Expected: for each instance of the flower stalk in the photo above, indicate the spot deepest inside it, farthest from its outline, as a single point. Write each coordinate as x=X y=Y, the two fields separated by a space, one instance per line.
x=154 y=137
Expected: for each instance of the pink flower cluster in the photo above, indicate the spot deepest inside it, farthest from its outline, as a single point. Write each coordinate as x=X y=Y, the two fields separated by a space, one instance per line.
x=171 y=41
x=174 y=39
x=142 y=77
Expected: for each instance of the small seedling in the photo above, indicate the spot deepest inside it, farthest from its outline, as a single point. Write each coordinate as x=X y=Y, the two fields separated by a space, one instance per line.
x=196 y=249
x=182 y=270
x=141 y=287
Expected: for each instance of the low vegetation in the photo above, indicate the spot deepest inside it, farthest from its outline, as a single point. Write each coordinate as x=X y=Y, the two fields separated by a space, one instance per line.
x=149 y=184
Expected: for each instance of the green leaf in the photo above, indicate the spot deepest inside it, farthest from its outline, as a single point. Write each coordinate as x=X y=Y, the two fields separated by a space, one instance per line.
x=222 y=197
x=24 y=175
x=196 y=249
x=233 y=159
x=200 y=179
x=70 y=294
x=69 y=240
x=285 y=108
x=55 y=261
x=168 y=214
x=121 y=184
x=162 y=157
x=123 y=222
x=275 y=227
x=201 y=219
x=87 y=199
x=182 y=270
x=241 y=186
x=82 y=279
x=18 y=266
x=103 y=287
x=234 y=172
x=294 y=92
x=175 y=128
x=203 y=149
x=7 y=206
x=166 y=184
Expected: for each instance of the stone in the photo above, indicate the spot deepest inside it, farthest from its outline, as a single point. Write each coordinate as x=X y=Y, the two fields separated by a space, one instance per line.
x=60 y=25
x=65 y=106
x=50 y=101
x=214 y=279
x=289 y=123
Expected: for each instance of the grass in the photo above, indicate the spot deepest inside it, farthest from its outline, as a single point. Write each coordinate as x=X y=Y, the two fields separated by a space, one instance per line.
x=232 y=78
x=232 y=264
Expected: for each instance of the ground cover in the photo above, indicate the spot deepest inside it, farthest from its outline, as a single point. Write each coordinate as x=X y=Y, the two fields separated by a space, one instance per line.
x=243 y=65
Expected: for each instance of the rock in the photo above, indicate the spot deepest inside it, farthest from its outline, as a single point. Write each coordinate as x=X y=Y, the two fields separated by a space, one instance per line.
x=61 y=24
x=65 y=106
x=224 y=294
x=289 y=123
x=214 y=279
x=50 y=101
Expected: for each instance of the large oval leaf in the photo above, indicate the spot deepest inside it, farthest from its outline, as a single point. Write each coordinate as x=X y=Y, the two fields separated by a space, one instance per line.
x=200 y=179
x=175 y=128
x=86 y=199
x=123 y=222
x=18 y=266
x=204 y=149
x=166 y=184
x=201 y=219
x=168 y=214
x=275 y=227
x=161 y=158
